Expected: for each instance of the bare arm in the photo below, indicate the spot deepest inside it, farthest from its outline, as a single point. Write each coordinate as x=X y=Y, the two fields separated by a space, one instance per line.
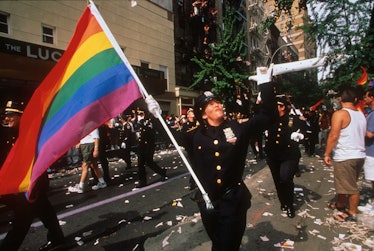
x=369 y=135
x=96 y=148
x=339 y=121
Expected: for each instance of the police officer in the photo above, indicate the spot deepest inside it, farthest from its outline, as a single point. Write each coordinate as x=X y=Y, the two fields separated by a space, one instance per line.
x=25 y=211
x=128 y=138
x=219 y=149
x=146 y=150
x=283 y=153
x=190 y=125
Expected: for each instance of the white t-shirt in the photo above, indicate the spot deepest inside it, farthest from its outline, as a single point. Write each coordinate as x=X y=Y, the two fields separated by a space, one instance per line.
x=90 y=138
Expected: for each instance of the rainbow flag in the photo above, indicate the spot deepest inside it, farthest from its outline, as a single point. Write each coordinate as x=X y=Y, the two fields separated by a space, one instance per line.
x=364 y=77
x=91 y=83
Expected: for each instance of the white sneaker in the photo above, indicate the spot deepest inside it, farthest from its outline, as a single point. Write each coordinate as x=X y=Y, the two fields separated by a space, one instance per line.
x=99 y=186
x=75 y=189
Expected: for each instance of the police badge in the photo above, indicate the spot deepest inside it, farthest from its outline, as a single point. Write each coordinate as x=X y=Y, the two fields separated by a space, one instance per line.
x=230 y=136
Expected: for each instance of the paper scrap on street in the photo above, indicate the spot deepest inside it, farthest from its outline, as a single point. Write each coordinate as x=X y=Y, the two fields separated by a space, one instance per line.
x=285 y=244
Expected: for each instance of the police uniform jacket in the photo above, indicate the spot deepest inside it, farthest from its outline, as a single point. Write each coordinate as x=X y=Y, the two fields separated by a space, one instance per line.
x=147 y=137
x=219 y=154
x=279 y=145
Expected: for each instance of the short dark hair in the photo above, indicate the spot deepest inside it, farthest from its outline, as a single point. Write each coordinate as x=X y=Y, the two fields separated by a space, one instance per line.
x=349 y=94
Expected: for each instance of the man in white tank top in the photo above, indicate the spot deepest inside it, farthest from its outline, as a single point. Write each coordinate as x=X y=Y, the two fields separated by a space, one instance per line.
x=345 y=150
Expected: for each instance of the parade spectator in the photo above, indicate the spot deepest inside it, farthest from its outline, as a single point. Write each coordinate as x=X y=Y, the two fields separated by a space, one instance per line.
x=369 y=140
x=345 y=150
x=146 y=150
x=219 y=149
x=24 y=211
x=324 y=125
x=283 y=153
x=89 y=147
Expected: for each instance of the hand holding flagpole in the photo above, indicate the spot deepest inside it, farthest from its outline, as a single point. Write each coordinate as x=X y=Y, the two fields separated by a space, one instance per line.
x=153 y=107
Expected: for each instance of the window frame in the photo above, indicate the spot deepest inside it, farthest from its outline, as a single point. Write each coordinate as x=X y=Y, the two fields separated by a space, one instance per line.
x=7 y=23
x=49 y=36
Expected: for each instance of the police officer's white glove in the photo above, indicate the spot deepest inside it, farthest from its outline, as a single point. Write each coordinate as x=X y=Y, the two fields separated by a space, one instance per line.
x=266 y=133
x=153 y=106
x=297 y=136
x=263 y=75
x=259 y=99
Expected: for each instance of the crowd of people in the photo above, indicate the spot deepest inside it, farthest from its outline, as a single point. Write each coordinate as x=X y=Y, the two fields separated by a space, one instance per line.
x=216 y=144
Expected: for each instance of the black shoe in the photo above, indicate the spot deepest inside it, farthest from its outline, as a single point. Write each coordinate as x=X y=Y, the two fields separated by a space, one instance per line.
x=290 y=212
x=51 y=246
x=164 y=178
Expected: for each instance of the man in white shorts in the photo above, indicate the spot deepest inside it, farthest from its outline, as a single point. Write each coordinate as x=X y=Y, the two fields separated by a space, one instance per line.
x=369 y=139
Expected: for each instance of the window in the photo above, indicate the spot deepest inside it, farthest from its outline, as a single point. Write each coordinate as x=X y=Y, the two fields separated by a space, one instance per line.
x=144 y=64
x=4 y=23
x=48 y=34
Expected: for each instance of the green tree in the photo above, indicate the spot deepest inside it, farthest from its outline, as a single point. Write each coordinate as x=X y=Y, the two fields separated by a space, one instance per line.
x=223 y=70
x=343 y=31
x=302 y=86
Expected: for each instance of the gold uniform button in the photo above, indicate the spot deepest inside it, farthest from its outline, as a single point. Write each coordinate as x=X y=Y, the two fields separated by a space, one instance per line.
x=278 y=135
x=199 y=147
x=277 y=142
x=217 y=154
x=279 y=129
x=219 y=181
x=215 y=142
x=218 y=168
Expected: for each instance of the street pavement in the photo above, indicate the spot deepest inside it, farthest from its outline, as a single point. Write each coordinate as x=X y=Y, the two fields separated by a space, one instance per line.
x=268 y=228
x=162 y=216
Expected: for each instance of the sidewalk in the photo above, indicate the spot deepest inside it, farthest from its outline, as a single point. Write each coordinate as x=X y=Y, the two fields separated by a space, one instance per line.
x=313 y=228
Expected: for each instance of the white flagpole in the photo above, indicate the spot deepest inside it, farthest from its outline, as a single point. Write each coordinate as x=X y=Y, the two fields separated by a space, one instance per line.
x=116 y=46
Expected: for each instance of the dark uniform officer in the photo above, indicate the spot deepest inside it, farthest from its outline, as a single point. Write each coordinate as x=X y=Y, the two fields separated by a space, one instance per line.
x=188 y=126
x=283 y=153
x=128 y=138
x=218 y=158
x=146 y=150
x=25 y=211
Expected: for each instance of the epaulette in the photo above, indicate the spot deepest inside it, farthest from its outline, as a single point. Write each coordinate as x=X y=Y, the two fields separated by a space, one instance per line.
x=192 y=128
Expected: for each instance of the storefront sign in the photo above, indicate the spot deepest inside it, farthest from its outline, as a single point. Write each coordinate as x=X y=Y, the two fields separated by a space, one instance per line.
x=20 y=48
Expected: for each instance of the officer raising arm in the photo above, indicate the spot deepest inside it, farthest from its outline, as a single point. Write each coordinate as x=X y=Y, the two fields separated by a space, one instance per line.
x=218 y=149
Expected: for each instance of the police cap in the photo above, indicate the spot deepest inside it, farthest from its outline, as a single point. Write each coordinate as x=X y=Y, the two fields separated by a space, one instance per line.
x=282 y=100
x=14 y=107
x=201 y=102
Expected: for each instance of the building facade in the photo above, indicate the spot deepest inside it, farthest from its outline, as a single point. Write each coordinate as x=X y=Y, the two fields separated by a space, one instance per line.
x=289 y=26
x=34 y=35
